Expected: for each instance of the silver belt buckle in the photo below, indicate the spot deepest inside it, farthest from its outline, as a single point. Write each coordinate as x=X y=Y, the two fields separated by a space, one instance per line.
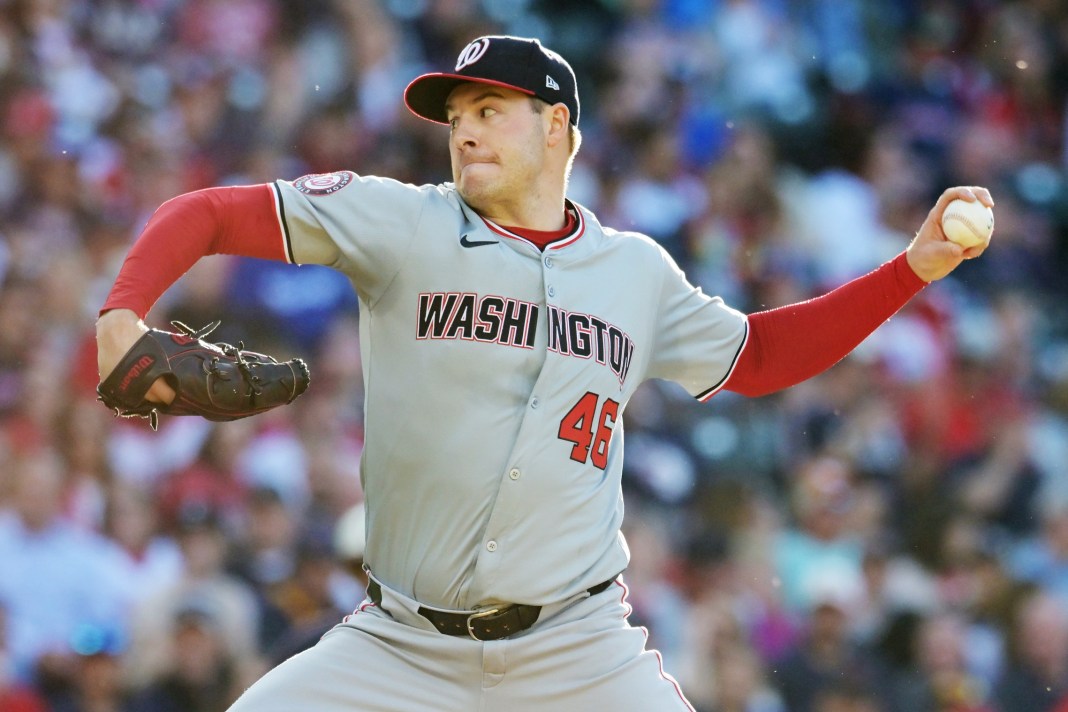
x=480 y=614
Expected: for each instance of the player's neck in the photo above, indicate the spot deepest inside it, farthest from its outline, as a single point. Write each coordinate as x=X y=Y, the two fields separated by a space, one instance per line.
x=541 y=209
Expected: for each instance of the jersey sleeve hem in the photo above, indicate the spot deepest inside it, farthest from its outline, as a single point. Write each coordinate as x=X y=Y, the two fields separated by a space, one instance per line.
x=280 y=214
x=713 y=390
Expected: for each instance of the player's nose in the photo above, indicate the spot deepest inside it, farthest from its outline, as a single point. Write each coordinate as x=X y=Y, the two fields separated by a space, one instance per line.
x=464 y=133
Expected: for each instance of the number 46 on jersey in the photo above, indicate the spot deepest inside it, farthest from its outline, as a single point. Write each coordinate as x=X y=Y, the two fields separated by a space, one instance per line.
x=590 y=427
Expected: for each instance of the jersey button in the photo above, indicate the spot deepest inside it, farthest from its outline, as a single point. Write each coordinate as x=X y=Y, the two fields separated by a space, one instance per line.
x=549 y=262
x=552 y=291
x=534 y=402
x=514 y=473
x=491 y=545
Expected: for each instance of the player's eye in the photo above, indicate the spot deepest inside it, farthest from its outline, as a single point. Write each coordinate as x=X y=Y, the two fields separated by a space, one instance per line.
x=453 y=123
x=487 y=112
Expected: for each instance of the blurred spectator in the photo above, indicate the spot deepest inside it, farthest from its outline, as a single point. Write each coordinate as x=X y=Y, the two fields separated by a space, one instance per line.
x=274 y=458
x=841 y=220
x=658 y=196
x=204 y=548
x=306 y=598
x=821 y=543
x=20 y=334
x=328 y=582
x=894 y=585
x=1036 y=677
x=265 y=554
x=741 y=684
x=82 y=437
x=97 y=684
x=145 y=458
x=715 y=659
x=739 y=245
x=211 y=479
x=939 y=680
x=203 y=672
x=53 y=576
x=713 y=633
x=15 y=696
x=652 y=590
x=825 y=655
x=1042 y=559
x=147 y=560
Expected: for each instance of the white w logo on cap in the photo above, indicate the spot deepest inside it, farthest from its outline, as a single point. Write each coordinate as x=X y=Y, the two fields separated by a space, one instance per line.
x=472 y=53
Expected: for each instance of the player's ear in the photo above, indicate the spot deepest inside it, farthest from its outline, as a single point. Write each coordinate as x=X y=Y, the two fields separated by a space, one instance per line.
x=559 y=119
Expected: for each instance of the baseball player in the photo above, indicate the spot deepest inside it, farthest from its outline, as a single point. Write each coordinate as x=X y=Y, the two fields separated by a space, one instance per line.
x=503 y=331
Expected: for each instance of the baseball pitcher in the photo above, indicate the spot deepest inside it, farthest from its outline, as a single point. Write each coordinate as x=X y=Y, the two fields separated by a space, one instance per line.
x=504 y=330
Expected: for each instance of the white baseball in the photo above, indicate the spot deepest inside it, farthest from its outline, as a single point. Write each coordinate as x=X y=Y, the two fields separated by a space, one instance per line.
x=968 y=223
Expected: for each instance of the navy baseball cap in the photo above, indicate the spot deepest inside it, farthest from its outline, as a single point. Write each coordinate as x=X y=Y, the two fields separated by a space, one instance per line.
x=518 y=63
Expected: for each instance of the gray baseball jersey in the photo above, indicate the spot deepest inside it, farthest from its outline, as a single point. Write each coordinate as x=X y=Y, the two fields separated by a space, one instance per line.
x=496 y=379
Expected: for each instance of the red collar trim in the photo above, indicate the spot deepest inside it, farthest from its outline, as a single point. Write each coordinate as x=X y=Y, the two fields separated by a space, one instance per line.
x=578 y=229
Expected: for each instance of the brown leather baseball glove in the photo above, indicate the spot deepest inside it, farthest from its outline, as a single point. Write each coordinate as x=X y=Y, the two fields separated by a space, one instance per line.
x=216 y=381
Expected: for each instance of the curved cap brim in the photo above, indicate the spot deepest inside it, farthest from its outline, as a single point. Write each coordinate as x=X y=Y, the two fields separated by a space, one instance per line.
x=426 y=95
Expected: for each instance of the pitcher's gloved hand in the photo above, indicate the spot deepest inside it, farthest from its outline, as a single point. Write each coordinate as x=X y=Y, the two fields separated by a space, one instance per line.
x=216 y=381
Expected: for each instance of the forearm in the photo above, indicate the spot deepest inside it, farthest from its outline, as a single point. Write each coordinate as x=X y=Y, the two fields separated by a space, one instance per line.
x=233 y=220
x=790 y=344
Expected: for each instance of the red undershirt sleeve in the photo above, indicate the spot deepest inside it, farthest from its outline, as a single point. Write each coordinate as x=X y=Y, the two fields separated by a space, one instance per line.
x=792 y=343
x=236 y=220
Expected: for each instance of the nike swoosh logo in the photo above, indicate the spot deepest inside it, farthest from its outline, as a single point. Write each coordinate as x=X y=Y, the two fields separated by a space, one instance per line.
x=475 y=243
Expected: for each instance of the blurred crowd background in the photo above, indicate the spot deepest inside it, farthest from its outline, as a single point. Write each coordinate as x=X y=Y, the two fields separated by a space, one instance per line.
x=891 y=536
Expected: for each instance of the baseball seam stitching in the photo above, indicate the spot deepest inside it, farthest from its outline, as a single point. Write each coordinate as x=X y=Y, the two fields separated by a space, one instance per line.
x=967 y=222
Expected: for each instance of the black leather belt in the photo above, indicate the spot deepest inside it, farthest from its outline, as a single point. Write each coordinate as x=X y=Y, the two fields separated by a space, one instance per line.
x=488 y=624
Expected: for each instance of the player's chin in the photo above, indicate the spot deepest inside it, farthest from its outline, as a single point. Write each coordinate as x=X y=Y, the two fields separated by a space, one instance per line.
x=474 y=174
x=475 y=189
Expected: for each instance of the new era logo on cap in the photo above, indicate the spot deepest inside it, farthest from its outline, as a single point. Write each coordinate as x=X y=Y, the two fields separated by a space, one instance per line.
x=517 y=63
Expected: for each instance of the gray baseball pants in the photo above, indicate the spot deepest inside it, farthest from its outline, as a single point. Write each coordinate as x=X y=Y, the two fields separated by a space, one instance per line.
x=580 y=655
